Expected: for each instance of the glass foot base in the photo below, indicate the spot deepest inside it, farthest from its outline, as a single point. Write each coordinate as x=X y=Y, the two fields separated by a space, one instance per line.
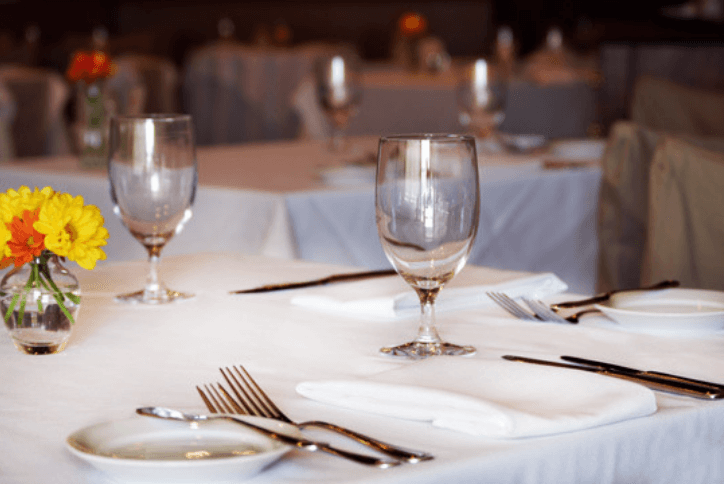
x=159 y=297
x=418 y=350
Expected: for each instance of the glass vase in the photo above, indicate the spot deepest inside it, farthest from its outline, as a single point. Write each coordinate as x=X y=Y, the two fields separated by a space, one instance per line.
x=93 y=118
x=37 y=323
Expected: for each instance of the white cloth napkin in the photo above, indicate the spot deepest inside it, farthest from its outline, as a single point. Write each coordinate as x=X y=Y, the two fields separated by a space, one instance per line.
x=374 y=299
x=491 y=398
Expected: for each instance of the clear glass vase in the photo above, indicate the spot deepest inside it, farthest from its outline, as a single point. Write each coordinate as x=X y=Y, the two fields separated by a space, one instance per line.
x=29 y=302
x=94 y=110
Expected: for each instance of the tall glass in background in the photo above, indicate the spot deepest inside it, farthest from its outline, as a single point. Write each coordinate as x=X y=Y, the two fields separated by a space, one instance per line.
x=339 y=92
x=481 y=98
x=152 y=170
x=427 y=201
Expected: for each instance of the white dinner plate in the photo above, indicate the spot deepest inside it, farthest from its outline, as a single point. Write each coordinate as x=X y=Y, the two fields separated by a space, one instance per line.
x=143 y=449
x=674 y=310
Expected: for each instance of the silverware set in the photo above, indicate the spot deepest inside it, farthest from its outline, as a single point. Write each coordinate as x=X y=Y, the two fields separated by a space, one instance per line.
x=665 y=382
x=245 y=397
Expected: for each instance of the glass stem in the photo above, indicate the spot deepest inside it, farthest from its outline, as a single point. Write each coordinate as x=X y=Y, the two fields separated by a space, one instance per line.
x=152 y=283
x=427 y=332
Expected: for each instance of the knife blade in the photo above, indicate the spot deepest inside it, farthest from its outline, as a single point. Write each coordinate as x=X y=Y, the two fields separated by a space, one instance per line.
x=677 y=387
x=667 y=376
x=605 y=296
x=354 y=276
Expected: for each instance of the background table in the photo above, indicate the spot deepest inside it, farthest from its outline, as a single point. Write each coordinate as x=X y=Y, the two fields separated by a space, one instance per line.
x=122 y=357
x=269 y=198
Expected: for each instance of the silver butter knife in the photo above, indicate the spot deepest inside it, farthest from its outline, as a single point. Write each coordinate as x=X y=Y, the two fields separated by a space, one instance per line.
x=353 y=276
x=666 y=376
x=706 y=392
x=605 y=296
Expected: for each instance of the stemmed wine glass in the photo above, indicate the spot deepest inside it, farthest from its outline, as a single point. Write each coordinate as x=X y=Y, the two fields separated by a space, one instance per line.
x=339 y=92
x=427 y=201
x=152 y=170
x=481 y=98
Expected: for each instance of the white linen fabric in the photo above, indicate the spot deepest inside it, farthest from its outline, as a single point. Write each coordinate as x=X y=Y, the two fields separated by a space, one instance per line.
x=500 y=399
x=380 y=303
x=121 y=357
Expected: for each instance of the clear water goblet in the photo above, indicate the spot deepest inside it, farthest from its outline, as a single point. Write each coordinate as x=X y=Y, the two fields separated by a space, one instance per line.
x=339 y=92
x=153 y=177
x=427 y=201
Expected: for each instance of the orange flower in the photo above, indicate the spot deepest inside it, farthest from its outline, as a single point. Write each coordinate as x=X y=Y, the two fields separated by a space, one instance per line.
x=89 y=66
x=26 y=242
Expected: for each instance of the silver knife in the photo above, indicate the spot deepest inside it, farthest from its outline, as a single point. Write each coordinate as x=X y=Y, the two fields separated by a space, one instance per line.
x=655 y=383
x=354 y=276
x=605 y=296
x=666 y=376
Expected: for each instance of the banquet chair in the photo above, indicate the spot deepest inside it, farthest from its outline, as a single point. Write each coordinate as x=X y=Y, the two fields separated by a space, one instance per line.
x=7 y=115
x=145 y=83
x=39 y=127
x=686 y=216
x=623 y=203
x=238 y=93
x=666 y=105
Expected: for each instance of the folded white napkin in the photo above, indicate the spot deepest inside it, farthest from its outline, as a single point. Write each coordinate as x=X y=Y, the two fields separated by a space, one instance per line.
x=374 y=299
x=491 y=398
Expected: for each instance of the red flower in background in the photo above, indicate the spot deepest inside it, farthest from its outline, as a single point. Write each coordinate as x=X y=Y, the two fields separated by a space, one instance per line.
x=89 y=66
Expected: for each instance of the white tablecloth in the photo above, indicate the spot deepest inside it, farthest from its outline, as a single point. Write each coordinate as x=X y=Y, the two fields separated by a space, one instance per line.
x=121 y=357
x=269 y=198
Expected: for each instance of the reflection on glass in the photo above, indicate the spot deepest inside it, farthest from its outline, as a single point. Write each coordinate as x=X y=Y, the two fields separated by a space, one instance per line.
x=152 y=170
x=427 y=208
x=339 y=92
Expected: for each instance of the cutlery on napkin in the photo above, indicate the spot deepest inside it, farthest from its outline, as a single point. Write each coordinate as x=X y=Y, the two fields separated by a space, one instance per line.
x=393 y=298
x=354 y=276
x=687 y=388
x=491 y=398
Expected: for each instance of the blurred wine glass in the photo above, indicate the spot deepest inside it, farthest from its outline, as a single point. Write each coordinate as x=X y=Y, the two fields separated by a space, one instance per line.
x=339 y=92
x=152 y=170
x=427 y=202
x=481 y=98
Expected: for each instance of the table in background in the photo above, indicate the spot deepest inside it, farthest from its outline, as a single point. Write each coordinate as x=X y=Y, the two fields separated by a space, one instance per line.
x=121 y=357
x=269 y=198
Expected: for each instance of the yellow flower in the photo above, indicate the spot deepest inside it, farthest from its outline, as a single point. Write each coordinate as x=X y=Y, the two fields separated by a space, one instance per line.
x=13 y=204
x=73 y=230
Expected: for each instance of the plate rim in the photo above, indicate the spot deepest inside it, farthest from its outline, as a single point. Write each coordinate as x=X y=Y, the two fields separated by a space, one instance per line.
x=278 y=448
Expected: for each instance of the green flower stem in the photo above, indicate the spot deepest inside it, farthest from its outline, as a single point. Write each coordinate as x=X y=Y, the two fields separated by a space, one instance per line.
x=57 y=293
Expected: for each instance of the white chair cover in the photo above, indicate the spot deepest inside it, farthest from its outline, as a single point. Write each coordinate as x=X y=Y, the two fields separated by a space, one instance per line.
x=624 y=199
x=145 y=84
x=238 y=93
x=669 y=106
x=41 y=95
x=7 y=116
x=686 y=215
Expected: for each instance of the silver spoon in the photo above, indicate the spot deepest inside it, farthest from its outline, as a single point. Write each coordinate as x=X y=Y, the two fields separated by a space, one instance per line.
x=300 y=443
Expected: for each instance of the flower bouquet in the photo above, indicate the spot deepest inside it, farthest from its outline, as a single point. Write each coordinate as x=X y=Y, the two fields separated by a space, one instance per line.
x=88 y=70
x=39 y=297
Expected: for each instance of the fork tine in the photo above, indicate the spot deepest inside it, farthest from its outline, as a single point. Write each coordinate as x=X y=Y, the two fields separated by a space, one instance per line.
x=261 y=394
x=507 y=303
x=206 y=400
x=544 y=312
x=220 y=404
x=230 y=400
x=236 y=387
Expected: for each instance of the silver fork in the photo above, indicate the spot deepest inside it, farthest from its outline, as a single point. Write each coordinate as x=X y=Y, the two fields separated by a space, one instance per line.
x=541 y=312
x=506 y=302
x=215 y=404
x=544 y=312
x=252 y=400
